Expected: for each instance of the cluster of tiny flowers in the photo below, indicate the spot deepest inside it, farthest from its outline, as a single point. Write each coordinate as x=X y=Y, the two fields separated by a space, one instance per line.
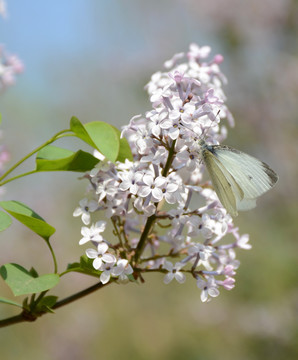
x=10 y=66
x=160 y=206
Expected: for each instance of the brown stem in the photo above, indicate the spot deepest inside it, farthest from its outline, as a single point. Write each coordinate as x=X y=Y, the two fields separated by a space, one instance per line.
x=27 y=316
x=151 y=219
x=80 y=294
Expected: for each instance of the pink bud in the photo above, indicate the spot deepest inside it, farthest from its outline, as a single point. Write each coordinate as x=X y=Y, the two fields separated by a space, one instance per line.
x=229 y=270
x=218 y=59
x=229 y=283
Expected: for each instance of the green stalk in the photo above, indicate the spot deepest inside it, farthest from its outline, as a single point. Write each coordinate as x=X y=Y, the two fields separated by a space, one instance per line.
x=53 y=256
x=17 y=177
x=54 y=138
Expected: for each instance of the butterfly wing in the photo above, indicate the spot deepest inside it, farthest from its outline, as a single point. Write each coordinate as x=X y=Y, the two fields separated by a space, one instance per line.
x=252 y=175
x=242 y=203
x=224 y=185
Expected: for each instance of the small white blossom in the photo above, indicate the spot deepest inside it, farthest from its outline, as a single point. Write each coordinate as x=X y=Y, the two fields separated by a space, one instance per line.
x=106 y=269
x=160 y=94
x=130 y=181
x=173 y=272
x=172 y=128
x=144 y=140
x=148 y=209
x=106 y=188
x=86 y=206
x=203 y=251
x=156 y=118
x=100 y=256
x=93 y=233
x=198 y=53
x=152 y=186
x=209 y=288
x=115 y=206
x=121 y=270
x=158 y=158
x=242 y=242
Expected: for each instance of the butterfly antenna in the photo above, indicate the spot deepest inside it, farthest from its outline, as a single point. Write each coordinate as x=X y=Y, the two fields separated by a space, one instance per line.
x=205 y=131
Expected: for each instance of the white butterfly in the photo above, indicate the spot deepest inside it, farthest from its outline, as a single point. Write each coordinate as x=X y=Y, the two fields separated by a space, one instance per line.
x=238 y=178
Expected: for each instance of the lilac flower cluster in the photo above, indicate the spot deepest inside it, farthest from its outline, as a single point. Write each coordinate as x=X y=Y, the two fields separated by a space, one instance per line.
x=159 y=205
x=10 y=66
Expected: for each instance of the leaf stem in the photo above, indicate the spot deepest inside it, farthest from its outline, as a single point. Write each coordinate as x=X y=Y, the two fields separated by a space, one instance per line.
x=17 y=177
x=54 y=138
x=53 y=256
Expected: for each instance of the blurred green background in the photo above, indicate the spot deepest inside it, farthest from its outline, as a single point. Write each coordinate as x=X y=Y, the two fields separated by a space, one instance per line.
x=92 y=58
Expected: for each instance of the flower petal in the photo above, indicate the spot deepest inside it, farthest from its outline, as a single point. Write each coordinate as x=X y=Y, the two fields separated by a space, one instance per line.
x=91 y=253
x=180 y=277
x=78 y=211
x=108 y=258
x=102 y=248
x=168 y=278
x=105 y=277
x=97 y=263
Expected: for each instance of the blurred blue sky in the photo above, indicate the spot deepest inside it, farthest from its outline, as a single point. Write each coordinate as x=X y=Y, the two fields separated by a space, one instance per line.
x=90 y=58
x=37 y=31
x=96 y=31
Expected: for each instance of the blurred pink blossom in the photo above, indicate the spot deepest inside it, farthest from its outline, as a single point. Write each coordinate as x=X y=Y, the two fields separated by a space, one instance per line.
x=10 y=66
x=3 y=12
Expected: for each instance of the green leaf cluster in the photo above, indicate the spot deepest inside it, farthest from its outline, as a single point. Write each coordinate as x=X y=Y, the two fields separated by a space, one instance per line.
x=83 y=267
x=100 y=136
x=103 y=137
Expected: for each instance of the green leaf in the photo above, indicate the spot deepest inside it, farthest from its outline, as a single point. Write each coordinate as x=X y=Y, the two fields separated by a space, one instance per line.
x=33 y=272
x=100 y=135
x=29 y=218
x=0 y=118
x=84 y=267
x=124 y=152
x=105 y=138
x=21 y=282
x=5 y=220
x=9 y=302
x=73 y=266
x=53 y=158
x=131 y=278
x=46 y=304
x=78 y=128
